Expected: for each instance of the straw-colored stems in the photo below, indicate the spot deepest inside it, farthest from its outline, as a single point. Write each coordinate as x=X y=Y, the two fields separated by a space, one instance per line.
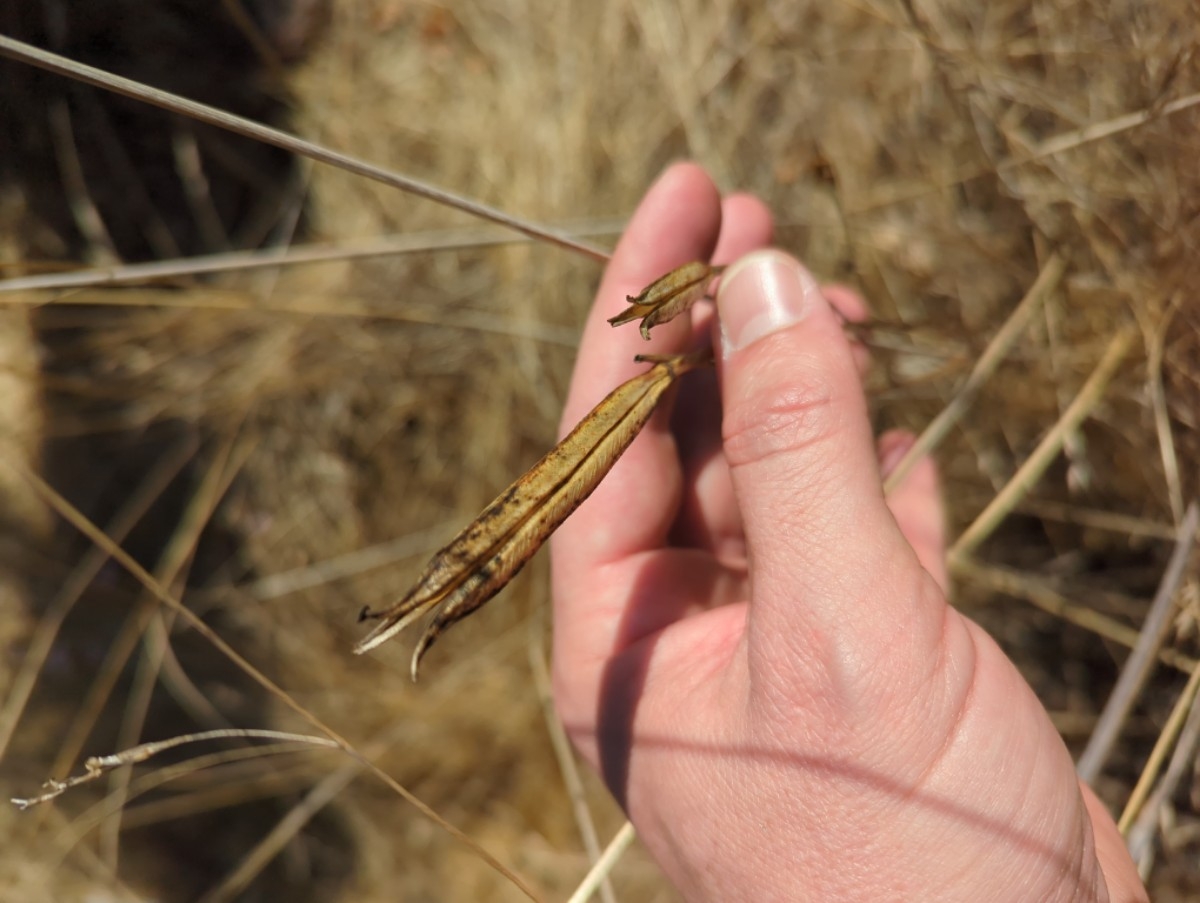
x=1041 y=593
x=97 y=766
x=1140 y=838
x=1031 y=471
x=38 y=648
x=172 y=563
x=1137 y=667
x=995 y=352
x=563 y=752
x=320 y=795
x=1162 y=420
x=76 y=519
x=285 y=830
x=294 y=255
x=601 y=870
x=1170 y=733
x=90 y=75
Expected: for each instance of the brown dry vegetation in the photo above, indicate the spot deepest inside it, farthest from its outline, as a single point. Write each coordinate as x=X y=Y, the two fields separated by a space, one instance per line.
x=936 y=155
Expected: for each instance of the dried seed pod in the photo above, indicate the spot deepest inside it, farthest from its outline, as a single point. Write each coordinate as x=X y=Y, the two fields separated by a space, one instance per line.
x=669 y=296
x=489 y=552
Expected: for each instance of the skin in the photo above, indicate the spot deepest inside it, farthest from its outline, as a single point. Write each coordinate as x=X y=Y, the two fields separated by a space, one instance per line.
x=752 y=643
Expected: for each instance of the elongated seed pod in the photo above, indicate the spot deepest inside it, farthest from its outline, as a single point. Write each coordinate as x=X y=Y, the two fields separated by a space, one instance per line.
x=489 y=552
x=668 y=296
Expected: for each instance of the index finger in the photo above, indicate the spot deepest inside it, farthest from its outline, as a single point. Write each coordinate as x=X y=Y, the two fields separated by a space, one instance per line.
x=632 y=509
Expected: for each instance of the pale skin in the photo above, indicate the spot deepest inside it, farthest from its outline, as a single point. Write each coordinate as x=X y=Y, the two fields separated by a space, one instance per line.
x=752 y=643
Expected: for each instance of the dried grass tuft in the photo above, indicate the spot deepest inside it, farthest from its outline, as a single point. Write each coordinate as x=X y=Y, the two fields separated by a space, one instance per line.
x=939 y=156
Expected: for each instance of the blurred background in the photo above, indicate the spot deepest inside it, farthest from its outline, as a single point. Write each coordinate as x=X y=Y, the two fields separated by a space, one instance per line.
x=280 y=446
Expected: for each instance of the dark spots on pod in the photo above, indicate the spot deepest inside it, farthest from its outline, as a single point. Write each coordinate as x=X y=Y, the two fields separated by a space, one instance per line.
x=451 y=558
x=511 y=496
x=490 y=515
x=516 y=570
x=493 y=549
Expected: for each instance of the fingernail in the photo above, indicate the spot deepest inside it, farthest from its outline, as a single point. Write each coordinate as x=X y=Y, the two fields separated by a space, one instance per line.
x=763 y=293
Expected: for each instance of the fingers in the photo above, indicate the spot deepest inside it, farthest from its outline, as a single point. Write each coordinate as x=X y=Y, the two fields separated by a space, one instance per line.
x=677 y=221
x=746 y=225
x=832 y=574
x=916 y=504
x=632 y=509
x=1120 y=874
x=708 y=517
x=851 y=307
x=846 y=301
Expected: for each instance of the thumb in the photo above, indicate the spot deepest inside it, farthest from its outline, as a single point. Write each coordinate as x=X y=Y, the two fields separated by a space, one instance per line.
x=831 y=574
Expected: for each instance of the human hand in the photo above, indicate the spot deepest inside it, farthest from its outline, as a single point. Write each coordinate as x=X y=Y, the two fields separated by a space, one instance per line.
x=752 y=643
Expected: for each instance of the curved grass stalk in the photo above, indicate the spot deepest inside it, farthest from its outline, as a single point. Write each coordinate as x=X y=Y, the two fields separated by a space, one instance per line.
x=61 y=65
x=80 y=522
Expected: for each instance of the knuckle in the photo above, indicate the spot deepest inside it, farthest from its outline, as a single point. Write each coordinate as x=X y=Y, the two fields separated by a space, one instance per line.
x=776 y=417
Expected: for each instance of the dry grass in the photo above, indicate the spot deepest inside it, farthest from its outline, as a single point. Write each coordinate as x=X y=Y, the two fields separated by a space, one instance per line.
x=937 y=156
